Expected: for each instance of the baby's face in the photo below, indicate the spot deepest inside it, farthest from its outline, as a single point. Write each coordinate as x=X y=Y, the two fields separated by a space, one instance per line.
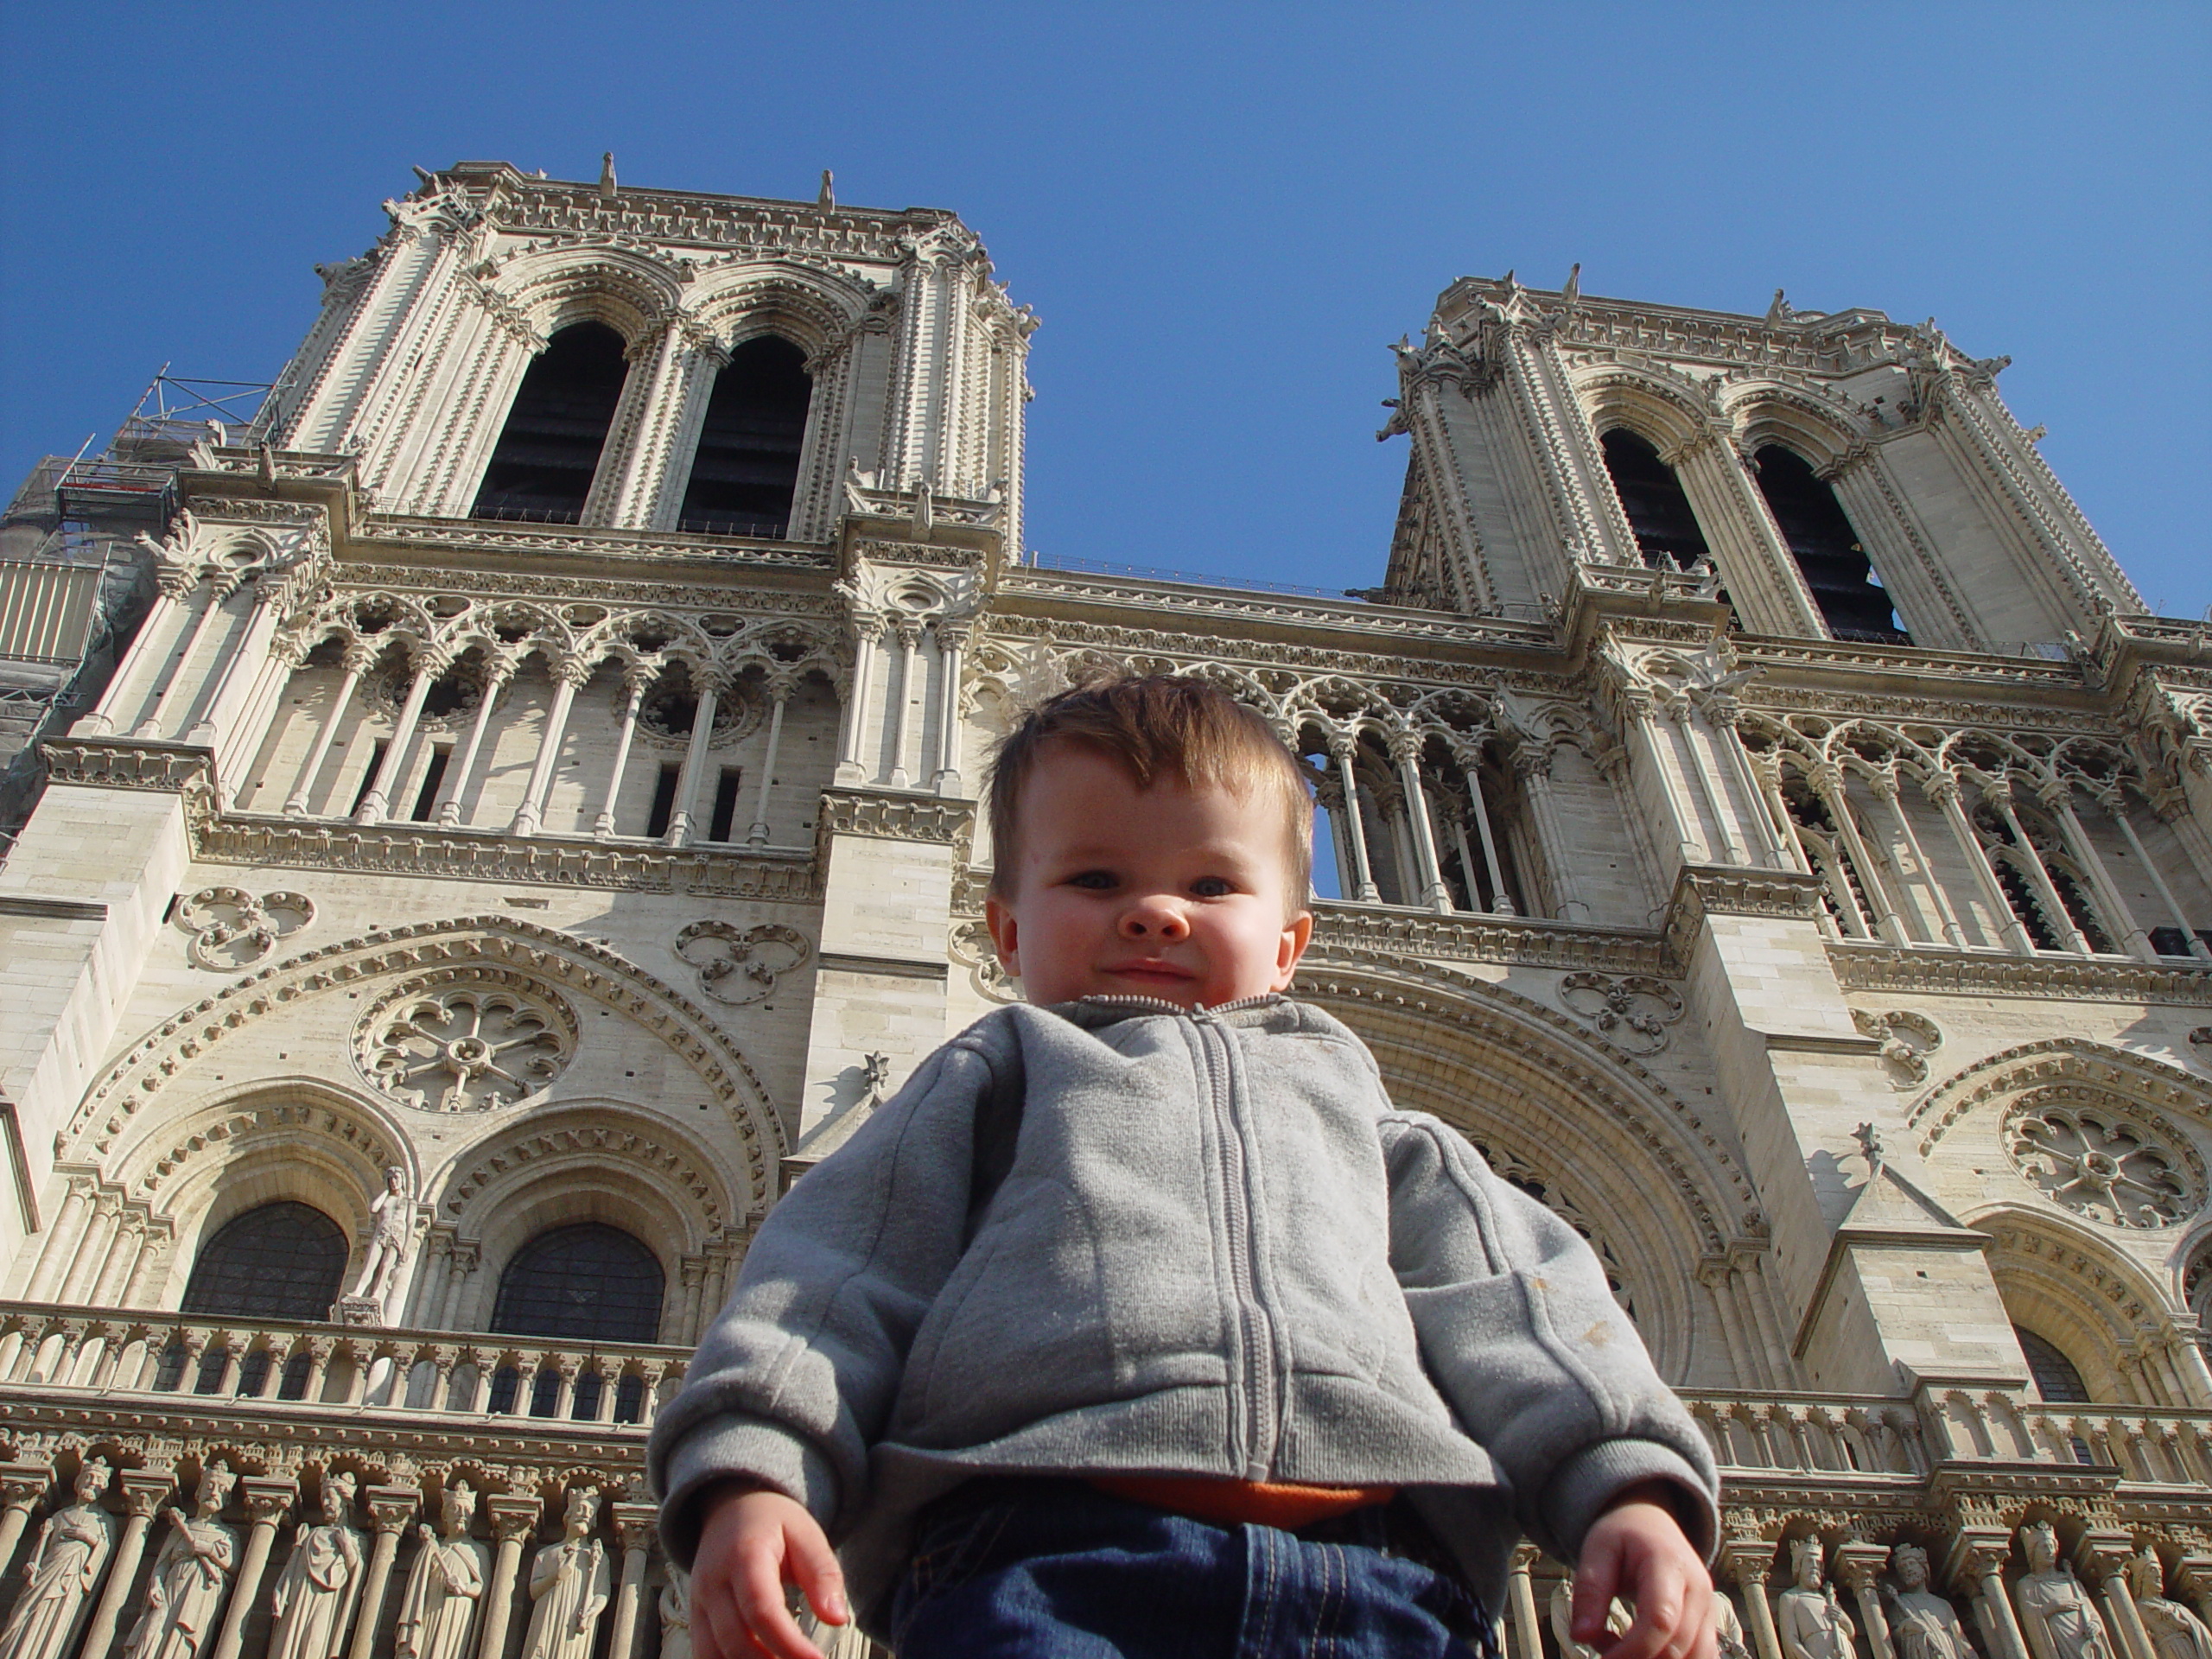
x=1169 y=892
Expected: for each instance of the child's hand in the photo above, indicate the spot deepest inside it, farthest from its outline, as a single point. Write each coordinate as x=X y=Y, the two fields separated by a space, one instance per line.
x=1637 y=1549
x=754 y=1543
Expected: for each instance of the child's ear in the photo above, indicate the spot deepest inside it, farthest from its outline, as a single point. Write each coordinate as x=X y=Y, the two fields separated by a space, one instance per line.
x=998 y=917
x=1297 y=934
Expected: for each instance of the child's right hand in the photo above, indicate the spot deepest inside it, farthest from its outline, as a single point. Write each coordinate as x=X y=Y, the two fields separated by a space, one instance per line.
x=754 y=1543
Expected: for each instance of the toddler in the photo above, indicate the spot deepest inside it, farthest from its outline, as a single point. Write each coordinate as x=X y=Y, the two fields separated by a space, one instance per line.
x=1140 y=1322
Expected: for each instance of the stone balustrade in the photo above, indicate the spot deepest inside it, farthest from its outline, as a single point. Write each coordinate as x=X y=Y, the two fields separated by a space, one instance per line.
x=462 y=1374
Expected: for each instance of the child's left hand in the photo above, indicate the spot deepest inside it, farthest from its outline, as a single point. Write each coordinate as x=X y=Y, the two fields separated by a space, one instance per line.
x=1636 y=1549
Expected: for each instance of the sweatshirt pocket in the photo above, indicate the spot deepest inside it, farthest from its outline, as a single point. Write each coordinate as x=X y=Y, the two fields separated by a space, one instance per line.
x=1018 y=1333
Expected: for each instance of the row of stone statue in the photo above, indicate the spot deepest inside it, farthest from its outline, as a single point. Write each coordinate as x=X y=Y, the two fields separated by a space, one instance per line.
x=2055 y=1611
x=319 y=1593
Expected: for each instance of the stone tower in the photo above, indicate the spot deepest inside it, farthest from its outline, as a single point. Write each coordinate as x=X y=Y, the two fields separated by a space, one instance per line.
x=535 y=818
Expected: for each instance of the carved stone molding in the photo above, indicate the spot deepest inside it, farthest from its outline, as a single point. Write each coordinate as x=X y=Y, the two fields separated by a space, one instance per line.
x=1907 y=1040
x=233 y=929
x=524 y=540
x=1632 y=1012
x=491 y=856
x=122 y=763
x=458 y=1039
x=739 y=966
x=1348 y=931
x=1702 y=890
x=886 y=815
x=1866 y=967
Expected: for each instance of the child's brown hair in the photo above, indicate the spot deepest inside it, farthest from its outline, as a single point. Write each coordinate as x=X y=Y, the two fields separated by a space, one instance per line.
x=1170 y=726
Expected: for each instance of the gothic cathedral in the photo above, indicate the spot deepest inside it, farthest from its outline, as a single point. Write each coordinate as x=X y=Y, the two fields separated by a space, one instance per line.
x=493 y=816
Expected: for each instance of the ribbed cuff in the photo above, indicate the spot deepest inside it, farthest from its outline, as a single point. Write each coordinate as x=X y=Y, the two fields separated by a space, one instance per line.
x=1583 y=1485
x=734 y=1446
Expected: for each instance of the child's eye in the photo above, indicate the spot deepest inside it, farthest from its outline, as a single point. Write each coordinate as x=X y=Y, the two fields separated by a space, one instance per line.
x=1212 y=887
x=1095 y=881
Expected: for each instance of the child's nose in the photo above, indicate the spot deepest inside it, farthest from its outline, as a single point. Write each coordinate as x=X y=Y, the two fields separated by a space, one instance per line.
x=1155 y=917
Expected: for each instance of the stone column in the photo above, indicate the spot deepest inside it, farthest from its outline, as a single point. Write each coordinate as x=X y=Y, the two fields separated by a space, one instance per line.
x=21 y=1486
x=1681 y=711
x=514 y=1517
x=123 y=1252
x=466 y=1254
x=1725 y=715
x=568 y=675
x=1977 y=1558
x=635 y=680
x=377 y=798
x=359 y=657
x=268 y=1502
x=1859 y=1564
x=245 y=662
x=1828 y=781
x=182 y=678
x=951 y=643
x=1748 y=1561
x=694 y=761
x=1470 y=767
x=1520 y=1596
x=2058 y=796
x=851 y=769
x=1534 y=766
x=1944 y=792
x=2115 y=806
x=909 y=632
x=634 y=1523
x=2102 y=1557
x=391 y=1507
x=1884 y=788
x=497 y=673
x=176 y=588
x=142 y=1492
x=61 y=1240
x=1405 y=750
x=1340 y=751
x=780 y=694
x=1998 y=793
x=92 y=1249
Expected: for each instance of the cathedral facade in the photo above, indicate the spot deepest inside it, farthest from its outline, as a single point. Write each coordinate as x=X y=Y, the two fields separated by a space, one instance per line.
x=532 y=817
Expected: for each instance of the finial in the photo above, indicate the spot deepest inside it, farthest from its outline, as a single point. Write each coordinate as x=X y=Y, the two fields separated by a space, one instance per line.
x=827 y=199
x=1870 y=1145
x=1571 y=290
x=425 y=175
x=607 y=176
x=1779 y=311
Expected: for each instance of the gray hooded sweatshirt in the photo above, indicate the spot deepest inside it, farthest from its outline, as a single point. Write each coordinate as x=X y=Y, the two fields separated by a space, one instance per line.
x=1116 y=1235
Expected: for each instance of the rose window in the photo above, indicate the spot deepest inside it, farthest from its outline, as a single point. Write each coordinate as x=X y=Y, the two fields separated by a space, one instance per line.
x=2099 y=1165
x=467 y=1044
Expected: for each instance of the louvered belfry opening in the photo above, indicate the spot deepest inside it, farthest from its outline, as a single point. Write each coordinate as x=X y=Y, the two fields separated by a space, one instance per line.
x=549 y=450
x=1828 y=549
x=746 y=466
x=1651 y=496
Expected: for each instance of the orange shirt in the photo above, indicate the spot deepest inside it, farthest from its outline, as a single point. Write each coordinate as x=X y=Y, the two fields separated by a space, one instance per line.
x=1282 y=1504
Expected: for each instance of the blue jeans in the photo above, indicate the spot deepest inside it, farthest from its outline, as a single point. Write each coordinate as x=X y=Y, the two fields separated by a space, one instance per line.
x=1056 y=1569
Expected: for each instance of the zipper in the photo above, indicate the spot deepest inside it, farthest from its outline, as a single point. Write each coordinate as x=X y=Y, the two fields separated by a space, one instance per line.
x=1161 y=1005
x=1258 y=1427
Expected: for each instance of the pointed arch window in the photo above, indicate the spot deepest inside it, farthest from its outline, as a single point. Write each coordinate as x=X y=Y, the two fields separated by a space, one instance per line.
x=276 y=1261
x=1651 y=496
x=590 y=1282
x=2056 y=1378
x=549 y=450
x=1828 y=549
x=745 y=469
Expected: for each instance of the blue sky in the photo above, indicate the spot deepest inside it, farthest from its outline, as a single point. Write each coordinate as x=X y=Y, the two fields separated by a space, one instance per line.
x=1222 y=213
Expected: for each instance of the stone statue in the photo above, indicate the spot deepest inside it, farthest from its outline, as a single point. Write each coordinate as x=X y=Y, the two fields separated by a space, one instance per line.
x=1808 y=1616
x=321 y=1584
x=438 y=1613
x=184 y=1598
x=1617 y=1619
x=569 y=1582
x=1923 y=1624
x=72 y=1548
x=2061 y=1621
x=2175 y=1631
x=393 y=1213
x=676 y=1614
x=1728 y=1627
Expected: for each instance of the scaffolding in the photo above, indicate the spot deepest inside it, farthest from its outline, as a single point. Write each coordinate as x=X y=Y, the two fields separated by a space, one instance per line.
x=134 y=477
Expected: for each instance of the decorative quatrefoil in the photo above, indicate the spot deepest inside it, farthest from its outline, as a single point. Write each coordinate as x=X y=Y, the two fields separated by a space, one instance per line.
x=738 y=965
x=231 y=929
x=1633 y=1011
